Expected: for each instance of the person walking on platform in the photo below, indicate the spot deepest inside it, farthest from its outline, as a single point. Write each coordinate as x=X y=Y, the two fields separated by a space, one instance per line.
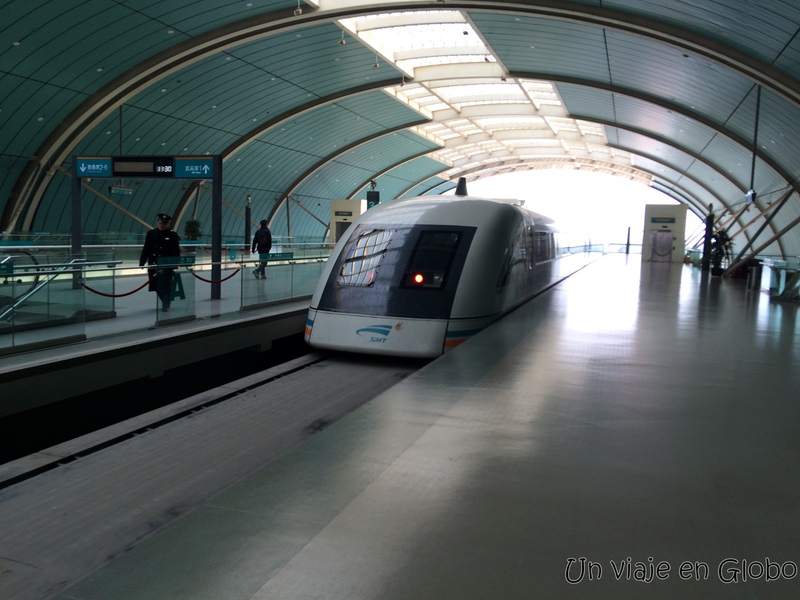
x=262 y=242
x=160 y=242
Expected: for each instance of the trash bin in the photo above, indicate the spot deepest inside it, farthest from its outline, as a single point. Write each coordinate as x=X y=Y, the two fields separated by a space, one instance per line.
x=754 y=269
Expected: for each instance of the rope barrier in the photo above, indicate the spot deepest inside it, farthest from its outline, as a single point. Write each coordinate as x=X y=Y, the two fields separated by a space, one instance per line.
x=214 y=281
x=99 y=293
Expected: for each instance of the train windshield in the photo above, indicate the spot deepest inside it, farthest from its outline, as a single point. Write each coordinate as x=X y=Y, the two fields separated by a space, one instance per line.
x=431 y=260
x=364 y=257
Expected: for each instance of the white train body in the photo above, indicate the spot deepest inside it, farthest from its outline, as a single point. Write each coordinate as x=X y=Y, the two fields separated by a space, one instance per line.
x=418 y=277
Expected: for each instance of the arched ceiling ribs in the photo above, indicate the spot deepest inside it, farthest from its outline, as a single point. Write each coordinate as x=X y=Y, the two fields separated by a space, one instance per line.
x=678 y=193
x=513 y=163
x=685 y=151
x=667 y=142
x=672 y=190
x=313 y=216
x=444 y=183
x=205 y=189
x=339 y=152
x=659 y=160
x=87 y=186
x=672 y=106
x=757 y=71
x=684 y=196
x=34 y=180
x=253 y=135
x=394 y=166
x=59 y=145
x=727 y=206
x=775 y=209
x=600 y=16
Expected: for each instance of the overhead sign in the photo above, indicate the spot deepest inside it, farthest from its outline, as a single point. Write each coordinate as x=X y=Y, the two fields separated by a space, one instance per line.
x=93 y=166
x=194 y=167
x=373 y=199
x=120 y=190
x=146 y=167
x=143 y=166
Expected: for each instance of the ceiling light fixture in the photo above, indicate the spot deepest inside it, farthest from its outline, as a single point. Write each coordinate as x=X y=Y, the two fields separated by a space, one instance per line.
x=298 y=11
x=341 y=41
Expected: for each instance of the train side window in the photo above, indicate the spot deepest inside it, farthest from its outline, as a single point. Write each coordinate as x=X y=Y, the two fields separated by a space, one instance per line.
x=544 y=246
x=364 y=257
x=431 y=260
x=530 y=243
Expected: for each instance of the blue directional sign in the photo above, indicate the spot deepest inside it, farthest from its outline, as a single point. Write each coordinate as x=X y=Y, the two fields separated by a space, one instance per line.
x=194 y=167
x=146 y=167
x=93 y=166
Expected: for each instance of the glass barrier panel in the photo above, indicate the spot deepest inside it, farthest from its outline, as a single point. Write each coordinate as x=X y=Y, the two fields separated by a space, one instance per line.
x=49 y=307
x=7 y=295
x=100 y=284
x=175 y=289
x=305 y=278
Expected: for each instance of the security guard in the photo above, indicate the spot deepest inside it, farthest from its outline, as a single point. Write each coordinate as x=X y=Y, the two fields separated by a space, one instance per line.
x=161 y=241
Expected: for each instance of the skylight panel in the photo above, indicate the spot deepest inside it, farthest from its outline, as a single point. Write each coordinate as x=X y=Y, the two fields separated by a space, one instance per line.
x=428 y=35
x=513 y=122
x=446 y=59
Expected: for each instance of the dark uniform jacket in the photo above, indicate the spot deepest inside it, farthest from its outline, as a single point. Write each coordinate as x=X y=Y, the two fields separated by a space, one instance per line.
x=159 y=243
x=262 y=241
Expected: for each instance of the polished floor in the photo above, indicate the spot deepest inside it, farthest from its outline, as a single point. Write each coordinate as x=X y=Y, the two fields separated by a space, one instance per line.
x=632 y=433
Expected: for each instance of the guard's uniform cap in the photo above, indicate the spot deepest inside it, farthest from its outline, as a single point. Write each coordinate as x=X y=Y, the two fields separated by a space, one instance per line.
x=164 y=218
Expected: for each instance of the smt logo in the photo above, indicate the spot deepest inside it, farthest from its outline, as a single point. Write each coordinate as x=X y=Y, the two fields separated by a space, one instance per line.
x=376 y=333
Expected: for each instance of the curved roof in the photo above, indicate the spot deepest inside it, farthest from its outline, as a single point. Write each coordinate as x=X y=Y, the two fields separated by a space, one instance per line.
x=308 y=101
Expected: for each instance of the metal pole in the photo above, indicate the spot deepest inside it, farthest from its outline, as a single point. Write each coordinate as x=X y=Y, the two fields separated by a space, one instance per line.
x=77 y=216
x=755 y=146
x=764 y=225
x=706 y=263
x=248 y=223
x=288 y=221
x=755 y=252
x=76 y=239
x=628 y=242
x=216 y=229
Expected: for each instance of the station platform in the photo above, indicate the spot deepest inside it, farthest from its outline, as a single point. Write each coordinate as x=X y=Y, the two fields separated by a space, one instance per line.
x=141 y=342
x=631 y=433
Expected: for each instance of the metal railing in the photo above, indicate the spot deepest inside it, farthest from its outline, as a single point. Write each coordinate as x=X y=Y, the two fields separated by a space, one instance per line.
x=50 y=300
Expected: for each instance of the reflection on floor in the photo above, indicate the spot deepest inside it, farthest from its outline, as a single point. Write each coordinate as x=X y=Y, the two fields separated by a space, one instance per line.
x=631 y=433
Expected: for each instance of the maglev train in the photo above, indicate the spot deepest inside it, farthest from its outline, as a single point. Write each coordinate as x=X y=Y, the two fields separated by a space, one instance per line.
x=419 y=276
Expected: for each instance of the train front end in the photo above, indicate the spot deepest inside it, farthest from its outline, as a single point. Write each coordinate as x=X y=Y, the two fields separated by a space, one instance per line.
x=389 y=288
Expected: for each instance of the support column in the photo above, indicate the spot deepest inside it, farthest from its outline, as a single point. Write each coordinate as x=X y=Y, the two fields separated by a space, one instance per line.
x=706 y=264
x=76 y=233
x=216 y=229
